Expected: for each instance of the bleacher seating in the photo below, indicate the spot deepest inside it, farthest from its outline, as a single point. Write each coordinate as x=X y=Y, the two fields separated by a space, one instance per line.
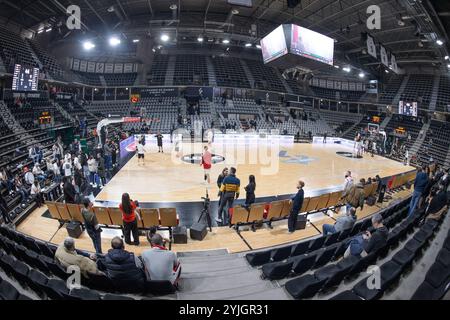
x=50 y=64
x=92 y=79
x=191 y=70
x=120 y=79
x=419 y=88
x=229 y=72
x=157 y=74
x=265 y=77
x=443 y=99
x=436 y=143
x=14 y=50
x=391 y=88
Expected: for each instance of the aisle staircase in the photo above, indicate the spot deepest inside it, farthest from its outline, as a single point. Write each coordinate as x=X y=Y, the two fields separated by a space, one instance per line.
x=419 y=141
x=170 y=71
x=434 y=93
x=211 y=72
x=400 y=91
x=248 y=74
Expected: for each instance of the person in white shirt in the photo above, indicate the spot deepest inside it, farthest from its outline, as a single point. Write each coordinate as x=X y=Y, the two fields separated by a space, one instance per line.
x=37 y=193
x=348 y=181
x=38 y=173
x=68 y=157
x=76 y=163
x=141 y=152
x=29 y=177
x=67 y=167
x=92 y=165
x=56 y=171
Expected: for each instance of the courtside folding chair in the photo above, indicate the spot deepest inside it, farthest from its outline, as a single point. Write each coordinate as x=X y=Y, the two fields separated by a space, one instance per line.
x=102 y=214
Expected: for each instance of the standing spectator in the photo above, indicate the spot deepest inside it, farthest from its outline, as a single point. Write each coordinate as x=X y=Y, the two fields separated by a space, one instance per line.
x=129 y=217
x=67 y=167
x=354 y=198
x=91 y=223
x=250 y=191
x=101 y=169
x=56 y=171
x=419 y=186
x=28 y=177
x=92 y=166
x=69 y=191
x=160 y=263
x=297 y=203
x=230 y=190
x=159 y=138
x=108 y=155
x=348 y=183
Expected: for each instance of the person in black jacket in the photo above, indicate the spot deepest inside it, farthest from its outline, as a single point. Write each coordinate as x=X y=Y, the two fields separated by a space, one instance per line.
x=69 y=190
x=250 y=192
x=4 y=210
x=123 y=268
x=297 y=203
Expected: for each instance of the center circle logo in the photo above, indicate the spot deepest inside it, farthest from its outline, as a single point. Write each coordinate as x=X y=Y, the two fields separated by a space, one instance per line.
x=196 y=158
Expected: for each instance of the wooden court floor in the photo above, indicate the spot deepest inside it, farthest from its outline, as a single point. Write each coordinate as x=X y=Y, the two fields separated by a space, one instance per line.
x=164 y=178
x=221 y=238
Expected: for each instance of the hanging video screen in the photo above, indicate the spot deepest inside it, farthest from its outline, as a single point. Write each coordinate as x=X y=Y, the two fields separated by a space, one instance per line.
x=408 y=108
x=274 y=45
x=25 y=78
x=312 y=45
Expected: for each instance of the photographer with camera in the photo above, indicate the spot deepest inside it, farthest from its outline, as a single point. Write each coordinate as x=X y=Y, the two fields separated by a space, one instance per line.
x=91 y=223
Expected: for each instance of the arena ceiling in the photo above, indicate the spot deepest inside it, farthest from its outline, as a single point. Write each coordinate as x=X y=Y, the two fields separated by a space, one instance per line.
x=409 y=28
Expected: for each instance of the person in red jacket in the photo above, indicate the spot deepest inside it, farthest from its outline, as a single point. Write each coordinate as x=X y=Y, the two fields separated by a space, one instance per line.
x=130 y=219
x=207 y=164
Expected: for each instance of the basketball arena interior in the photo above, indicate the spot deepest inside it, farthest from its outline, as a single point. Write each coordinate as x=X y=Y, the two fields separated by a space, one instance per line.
x=225 y=150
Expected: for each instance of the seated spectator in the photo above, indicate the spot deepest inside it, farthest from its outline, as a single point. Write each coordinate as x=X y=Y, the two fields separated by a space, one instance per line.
x=67 y=256
x=369 y=242
x=37 y=193
x=437 y=203
x=123 y=267
x=38 y=173
x=28 y=177
x=342 y=223
x=20 y=188
x=160 y=263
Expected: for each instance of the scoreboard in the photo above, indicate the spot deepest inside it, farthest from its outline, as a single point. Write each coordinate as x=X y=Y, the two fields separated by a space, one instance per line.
x=25 y=78
x=408 y=108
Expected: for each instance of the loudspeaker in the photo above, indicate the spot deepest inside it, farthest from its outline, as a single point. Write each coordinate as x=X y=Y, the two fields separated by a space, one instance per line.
x=180 y=235
x=301 y=222
x=292 y=3
x=74 y=229
x=198 y=231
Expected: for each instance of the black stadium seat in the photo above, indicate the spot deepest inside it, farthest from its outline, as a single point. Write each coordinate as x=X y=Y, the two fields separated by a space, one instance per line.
x=316 y=244
x=115 y=297
x=258 y=258
x=332 y=239
x=303 y=263
x=99 y=282
x=346 y=295
x=324 y=256
x=281 y=254
x=277 y=270
x=304 y=287
x=404 y=257
x=300 y=248
x=84 y=294
x=444 y=257
x=159 y=288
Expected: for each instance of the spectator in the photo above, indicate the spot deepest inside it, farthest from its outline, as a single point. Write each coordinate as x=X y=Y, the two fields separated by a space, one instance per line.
x=160 y=263
x=37 y=193
x=28 y=177
x=92 y=166
x=129 y=217
x=56 y=171
x=230 y=190
x=69 y=191
x=297 y=203
x=67 y=167
x=91 y=223
x=38 y=173
x=4 y=210
x=250 y=192
x=437 y=203
x=369 y=242
x=355 y=196
x=419 y=187
x=348 y=181
x=67 y=256
x=123 y=267
x=342 y=223
x=20 y=188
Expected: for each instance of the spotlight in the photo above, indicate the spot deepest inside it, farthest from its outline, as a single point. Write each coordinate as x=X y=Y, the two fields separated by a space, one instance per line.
x=439 y=42
x=114 y=41
x=248 y=45
x=88 y=45
x=446 y=57
x=346 y=69
x=165 y=38
x=48 y=30
x=336 y=66
x=40 y=31
x=200 y=39
x=361 y=75
x=387 y=71
x=225 y=41
x=136 y=40
x=258 y=46
x=448 y=66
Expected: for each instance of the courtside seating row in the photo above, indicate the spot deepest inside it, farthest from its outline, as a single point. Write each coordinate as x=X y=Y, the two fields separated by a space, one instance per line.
x=279 y=210
x=314 y=253
x=163 y=217
x=437 y=280
x=31 y=262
